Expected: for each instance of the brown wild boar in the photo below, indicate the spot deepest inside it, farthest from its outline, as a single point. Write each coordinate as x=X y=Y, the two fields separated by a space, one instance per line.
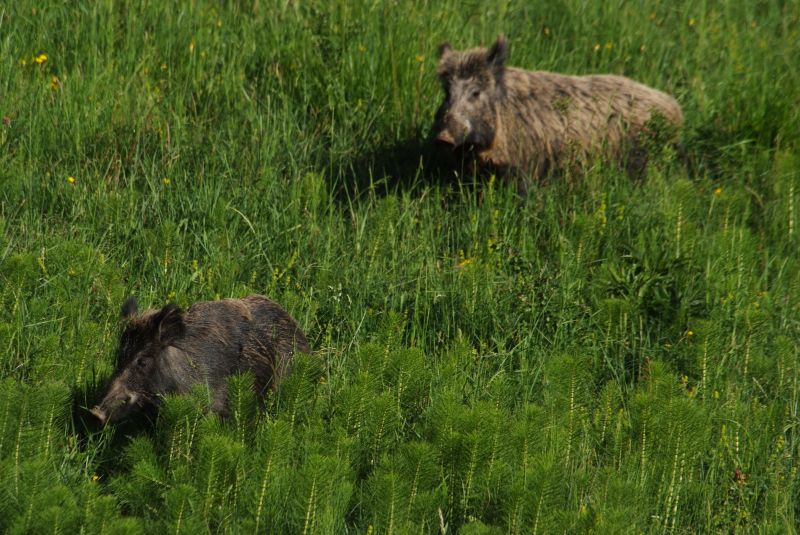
x=500 y=119
x=169 y=351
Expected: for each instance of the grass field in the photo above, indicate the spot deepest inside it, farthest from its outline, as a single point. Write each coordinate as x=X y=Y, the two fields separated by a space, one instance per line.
x=602 y=356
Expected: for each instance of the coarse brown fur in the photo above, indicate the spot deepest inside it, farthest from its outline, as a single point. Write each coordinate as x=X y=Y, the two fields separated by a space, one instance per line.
x=533 y=122
x=167 y=351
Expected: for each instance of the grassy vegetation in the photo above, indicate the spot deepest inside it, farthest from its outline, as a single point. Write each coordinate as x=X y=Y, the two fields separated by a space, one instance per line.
x=601 y=355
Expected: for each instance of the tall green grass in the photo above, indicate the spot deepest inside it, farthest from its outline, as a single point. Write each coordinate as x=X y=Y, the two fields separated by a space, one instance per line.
x=601 y=355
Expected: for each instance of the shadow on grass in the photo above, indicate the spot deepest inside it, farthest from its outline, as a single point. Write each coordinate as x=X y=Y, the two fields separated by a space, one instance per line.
x=410 y=165
x=415 y=165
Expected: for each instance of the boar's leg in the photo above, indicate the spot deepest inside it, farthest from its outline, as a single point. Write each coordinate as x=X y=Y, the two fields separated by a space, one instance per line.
x=219 y=401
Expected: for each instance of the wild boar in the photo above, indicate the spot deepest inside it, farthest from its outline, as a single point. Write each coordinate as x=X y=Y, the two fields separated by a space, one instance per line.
x=169 y=351
x=503 y=119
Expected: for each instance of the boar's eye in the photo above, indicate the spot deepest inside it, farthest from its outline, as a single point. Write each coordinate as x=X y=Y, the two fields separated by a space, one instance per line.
x=475 y=93
x=141 y=362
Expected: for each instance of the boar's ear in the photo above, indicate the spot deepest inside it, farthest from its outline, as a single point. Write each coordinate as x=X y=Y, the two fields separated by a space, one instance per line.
x=129 y=308
x=168 y=323
x=443 y=49
x=496 y=56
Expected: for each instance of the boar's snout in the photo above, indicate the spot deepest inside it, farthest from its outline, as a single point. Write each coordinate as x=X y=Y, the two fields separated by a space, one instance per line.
x=114 y=407
x=99 y=413
x=455 y=130
x=445 y=138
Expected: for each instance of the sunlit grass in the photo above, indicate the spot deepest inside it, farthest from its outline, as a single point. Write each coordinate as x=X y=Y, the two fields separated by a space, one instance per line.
x=601 y=355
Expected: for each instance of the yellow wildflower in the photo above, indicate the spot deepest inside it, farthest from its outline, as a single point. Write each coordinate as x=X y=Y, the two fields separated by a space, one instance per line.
x=55 y=83
x=608 y=45
x=464 y=263
x=718 y=191
x=23 y=62
x=191 y=46
x=690 y=333
x=165 y=180
x=597 y=47
x=41 y=58
x=71 y=180
x=95 y=478
x=691 y=22
x=419 y=57
x=163 y=66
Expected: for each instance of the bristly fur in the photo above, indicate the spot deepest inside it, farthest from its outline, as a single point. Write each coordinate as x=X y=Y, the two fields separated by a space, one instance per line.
x=464 y=65
x=129 y=308
x=165 y=351
x=533 y=122
x=168 y=323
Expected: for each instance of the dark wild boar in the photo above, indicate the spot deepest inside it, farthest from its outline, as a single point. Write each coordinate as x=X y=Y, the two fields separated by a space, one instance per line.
x=168 y=351
x=502 y=119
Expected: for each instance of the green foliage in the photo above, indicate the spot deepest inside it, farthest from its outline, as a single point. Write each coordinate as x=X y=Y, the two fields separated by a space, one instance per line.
x=603 y=355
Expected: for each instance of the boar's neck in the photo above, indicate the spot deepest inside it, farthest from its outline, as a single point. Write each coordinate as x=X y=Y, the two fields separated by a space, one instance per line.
x=527 y=122
x=495 y=157
x=179 y=371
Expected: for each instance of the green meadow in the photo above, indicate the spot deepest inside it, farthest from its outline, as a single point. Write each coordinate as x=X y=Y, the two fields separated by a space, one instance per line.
x=602 y=355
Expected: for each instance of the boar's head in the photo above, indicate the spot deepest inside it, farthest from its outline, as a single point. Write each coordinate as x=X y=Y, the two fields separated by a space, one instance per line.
x=473 y=88
x=141 y=373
